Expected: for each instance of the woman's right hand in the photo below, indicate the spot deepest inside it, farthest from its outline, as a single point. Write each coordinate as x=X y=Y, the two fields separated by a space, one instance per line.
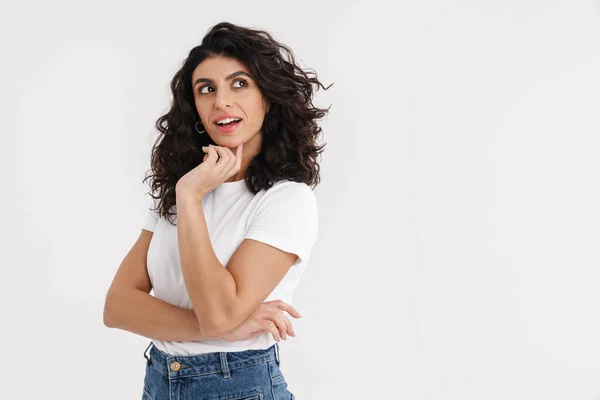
x=268 y=317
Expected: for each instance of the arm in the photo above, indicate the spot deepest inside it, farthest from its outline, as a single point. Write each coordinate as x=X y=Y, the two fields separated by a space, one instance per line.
x=138 y=312
x=224 y=297
x=129 y=305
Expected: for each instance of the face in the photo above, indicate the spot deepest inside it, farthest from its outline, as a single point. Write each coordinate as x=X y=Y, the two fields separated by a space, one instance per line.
x=224 y=88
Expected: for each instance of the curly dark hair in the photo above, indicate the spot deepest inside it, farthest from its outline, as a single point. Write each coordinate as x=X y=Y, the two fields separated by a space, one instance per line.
x=289 y=148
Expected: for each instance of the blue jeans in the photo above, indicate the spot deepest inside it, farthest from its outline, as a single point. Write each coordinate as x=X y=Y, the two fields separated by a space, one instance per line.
x=244 y=375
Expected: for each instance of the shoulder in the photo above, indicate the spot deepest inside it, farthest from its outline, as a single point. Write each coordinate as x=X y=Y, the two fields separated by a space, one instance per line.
x=287 y=197
x=290 y=190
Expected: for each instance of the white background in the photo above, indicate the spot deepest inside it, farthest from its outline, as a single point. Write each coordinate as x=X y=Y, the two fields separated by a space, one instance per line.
x=458 y=247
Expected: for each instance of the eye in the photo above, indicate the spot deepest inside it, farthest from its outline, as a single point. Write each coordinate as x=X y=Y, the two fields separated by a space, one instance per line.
x=204 y=89
x=243 y=81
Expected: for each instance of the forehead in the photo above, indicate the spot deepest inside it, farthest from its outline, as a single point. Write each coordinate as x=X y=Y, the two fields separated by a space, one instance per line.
x=218 y=67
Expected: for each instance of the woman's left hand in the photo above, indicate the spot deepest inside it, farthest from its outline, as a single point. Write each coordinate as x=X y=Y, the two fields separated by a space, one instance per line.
x=219 y=164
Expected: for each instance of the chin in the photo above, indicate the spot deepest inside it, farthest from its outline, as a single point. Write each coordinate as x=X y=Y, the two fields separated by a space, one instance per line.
x=232 y=143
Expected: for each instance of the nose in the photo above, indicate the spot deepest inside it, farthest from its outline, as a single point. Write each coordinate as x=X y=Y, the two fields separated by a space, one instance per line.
x=223 y=100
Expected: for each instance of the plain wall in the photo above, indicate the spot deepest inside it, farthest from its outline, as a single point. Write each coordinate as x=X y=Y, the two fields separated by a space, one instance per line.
x=457 y=255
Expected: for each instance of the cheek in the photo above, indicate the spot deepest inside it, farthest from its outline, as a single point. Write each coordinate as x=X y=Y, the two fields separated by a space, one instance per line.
x=203 y=109
x=257 y=115
x=256 y=107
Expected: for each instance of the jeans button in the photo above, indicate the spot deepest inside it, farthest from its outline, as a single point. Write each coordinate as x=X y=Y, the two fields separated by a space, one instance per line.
x=175 y=366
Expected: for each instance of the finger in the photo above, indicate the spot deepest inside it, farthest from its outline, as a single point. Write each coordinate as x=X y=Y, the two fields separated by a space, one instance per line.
x=230 y=168
x=238 y=155
x=269 y=326
x=215 y=148
x=286 y=307
x=224 y=158
x=281 y=321
x=284 y=324
x=212 y=154
x=232 y=161
x=254 y=334
x=288 y=326
x=238 y=151
x=229 y=152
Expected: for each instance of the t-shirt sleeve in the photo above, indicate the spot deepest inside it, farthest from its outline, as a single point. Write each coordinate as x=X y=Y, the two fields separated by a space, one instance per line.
x=151 y=219
x=287 y=218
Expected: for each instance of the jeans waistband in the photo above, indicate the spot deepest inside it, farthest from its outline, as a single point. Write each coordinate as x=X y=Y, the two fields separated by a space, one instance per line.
x=175 y=366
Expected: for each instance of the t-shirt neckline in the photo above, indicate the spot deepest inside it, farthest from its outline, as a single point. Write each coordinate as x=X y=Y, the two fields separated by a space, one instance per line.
x=231 y=187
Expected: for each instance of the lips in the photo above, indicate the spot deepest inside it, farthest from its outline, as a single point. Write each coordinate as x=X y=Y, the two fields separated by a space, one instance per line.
x=224 y=116
x=228 y=128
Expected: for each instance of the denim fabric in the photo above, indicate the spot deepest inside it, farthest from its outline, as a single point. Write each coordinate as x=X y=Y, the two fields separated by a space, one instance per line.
x=244 y=375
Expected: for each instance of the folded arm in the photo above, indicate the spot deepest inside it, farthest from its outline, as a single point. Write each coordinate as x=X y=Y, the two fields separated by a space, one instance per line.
x=224 y=296
x=130 y=306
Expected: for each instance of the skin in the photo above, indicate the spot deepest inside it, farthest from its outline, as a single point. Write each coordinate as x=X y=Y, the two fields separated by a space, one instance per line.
x=239 y=96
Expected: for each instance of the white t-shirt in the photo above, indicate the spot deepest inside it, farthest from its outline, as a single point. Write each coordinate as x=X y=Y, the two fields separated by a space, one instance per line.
x=284 y=216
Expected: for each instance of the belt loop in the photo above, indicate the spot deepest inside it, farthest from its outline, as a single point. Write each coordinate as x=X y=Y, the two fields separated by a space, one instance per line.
x=147 y=358
x=224 y=365
x=277 y=354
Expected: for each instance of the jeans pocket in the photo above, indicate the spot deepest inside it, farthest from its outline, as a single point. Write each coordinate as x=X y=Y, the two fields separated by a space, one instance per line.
x=278 y=380
x=279 y=384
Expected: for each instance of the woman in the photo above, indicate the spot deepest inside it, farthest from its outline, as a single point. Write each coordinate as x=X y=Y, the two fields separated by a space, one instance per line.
x=233 y=224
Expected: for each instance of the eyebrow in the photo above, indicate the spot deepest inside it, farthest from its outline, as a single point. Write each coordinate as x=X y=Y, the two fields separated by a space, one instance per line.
x=228 y=78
